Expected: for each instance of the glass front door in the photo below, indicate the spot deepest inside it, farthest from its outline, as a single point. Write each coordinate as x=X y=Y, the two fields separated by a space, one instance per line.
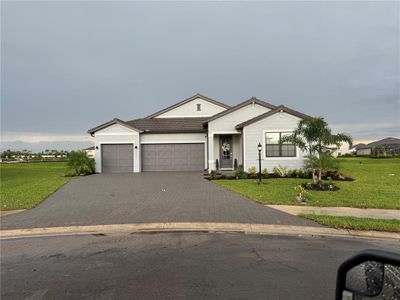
x=226 y=154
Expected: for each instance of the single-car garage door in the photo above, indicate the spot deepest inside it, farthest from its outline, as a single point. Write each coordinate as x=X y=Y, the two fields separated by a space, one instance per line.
x=117 y=158
x=173 y=157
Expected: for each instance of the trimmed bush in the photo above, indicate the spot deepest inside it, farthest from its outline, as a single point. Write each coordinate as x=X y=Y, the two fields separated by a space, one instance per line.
x=240 y=173
x=280 y=171
x=252 y=170
x=80 y=164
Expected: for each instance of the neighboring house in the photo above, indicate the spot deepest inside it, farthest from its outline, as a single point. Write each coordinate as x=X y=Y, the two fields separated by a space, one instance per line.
x=90 y=152
x=386 y=146
x=192 y=134
x=362 y=149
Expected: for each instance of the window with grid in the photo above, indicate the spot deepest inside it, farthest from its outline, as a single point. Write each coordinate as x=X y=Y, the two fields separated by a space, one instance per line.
x=275 y=148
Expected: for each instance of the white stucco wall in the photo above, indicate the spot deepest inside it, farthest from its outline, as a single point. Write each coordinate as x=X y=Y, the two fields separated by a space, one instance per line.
x=173 y=137
x=227 y=123
x=255 y=133
x=189 y=109
x=117 y=134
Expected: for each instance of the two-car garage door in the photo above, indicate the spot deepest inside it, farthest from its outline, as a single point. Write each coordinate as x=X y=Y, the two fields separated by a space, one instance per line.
x=117 y=158
x=173 y=157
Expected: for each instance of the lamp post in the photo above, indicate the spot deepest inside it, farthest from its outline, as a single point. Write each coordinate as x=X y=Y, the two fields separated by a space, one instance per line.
x=259 y=148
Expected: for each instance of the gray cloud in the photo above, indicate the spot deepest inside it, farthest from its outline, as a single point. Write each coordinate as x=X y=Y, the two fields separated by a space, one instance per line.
x=67 y=67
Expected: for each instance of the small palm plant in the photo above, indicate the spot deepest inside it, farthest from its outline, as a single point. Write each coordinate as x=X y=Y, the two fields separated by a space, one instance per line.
x=80 y=164
x=314 y=136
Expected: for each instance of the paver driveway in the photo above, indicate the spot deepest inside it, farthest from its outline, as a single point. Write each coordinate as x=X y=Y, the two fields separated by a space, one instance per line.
x=145 y=197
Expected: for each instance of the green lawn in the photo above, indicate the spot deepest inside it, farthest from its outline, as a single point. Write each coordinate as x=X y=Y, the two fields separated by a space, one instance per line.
x=27 y=184
x=390 y=225
x=376 y=185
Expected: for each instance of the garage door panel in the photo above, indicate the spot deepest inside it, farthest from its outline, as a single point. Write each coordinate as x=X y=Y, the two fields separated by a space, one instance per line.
x=117 y=158
x=173 y=157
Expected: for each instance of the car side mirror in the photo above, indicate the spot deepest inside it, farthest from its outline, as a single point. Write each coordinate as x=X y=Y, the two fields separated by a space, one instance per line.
x=371 y=274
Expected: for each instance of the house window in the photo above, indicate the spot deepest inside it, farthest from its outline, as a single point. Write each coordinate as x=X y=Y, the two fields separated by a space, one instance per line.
x=275 y=148
x=198 y=107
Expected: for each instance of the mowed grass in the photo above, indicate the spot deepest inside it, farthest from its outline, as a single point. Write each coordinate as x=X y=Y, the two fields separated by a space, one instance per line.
x=27 y=184
x=376 y=185
x=390 y=225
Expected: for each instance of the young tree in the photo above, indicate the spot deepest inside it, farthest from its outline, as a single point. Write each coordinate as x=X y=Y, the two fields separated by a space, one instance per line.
x=80 y=164
x=313 y=136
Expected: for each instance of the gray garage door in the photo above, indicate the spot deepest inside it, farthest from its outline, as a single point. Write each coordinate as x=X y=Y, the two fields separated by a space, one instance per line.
x=117 y=158
x=173 y=157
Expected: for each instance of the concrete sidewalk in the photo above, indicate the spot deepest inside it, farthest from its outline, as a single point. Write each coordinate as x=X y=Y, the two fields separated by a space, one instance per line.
x=340 y=211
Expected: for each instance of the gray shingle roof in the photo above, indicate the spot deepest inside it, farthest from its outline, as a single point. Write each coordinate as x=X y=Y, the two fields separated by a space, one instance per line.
x=112 y=122
x=169 y=125
x=240 y=105
x=386 y=142
x=270 y=113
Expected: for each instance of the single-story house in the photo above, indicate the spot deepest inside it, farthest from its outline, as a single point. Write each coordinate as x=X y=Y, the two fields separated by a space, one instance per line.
x=362 y=149
x=197 y=134
x=90 y=152
x=386 y=146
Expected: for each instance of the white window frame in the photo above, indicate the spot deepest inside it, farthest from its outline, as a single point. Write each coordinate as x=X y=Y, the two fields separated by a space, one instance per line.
x=264 y=155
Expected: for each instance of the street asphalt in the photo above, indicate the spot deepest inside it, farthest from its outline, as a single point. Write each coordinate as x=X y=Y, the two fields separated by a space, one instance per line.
x=147 y=197
x=176 y=266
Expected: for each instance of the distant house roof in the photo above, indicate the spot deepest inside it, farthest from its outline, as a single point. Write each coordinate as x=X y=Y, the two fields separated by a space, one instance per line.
x=280 y=108
x=240 y=105
x=356 y=146
x=386 y=142
x=89 y=148
x=197 y=96
x=169 y=125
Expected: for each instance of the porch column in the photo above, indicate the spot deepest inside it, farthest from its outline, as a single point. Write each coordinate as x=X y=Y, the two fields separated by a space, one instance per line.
x=211 y=159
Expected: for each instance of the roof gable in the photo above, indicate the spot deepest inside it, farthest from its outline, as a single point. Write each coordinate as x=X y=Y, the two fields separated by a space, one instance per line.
x=280 y=108
x=188 y=100
x=113 y=122
x=239 y=106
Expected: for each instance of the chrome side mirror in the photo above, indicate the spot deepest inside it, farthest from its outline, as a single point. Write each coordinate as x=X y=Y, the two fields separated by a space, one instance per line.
x=371 y=274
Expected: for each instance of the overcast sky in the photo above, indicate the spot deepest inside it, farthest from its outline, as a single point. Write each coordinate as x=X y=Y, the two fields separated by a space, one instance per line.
x=67 y=67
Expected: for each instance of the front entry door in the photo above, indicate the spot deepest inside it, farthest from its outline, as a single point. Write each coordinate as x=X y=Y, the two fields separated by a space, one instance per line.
x=226 y=154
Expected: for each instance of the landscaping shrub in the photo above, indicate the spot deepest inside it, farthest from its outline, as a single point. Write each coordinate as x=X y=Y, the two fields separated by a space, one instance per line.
x=240 y=173
x=265 y=173
x=302 y=196
x=321 y=186
x=336 y=175
x=252 y=170
x=299 y=173
x=80 y=164
x=280 y=171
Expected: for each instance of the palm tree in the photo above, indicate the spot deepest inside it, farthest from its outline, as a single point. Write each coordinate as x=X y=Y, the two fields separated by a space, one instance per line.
x=313 y=136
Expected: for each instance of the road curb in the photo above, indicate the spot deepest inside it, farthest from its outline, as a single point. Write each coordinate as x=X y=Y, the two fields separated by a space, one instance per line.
x=197 y=227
